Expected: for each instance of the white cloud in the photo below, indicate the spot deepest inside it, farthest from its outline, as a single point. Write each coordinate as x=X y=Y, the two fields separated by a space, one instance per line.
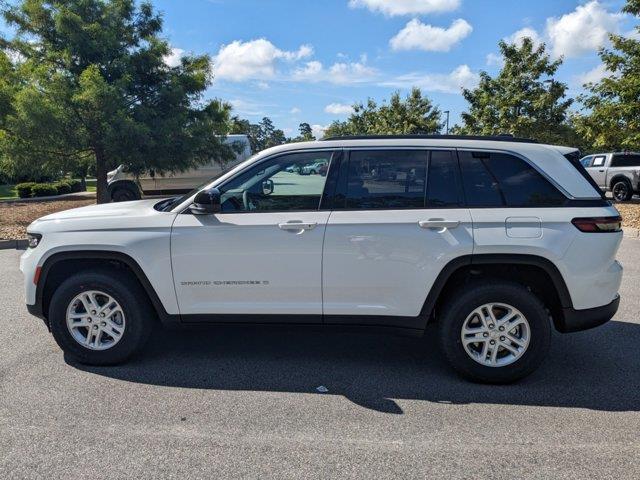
x=593 y=76
x=585 y=29
x=452 y=82
x=418 y=36
x=249 y=107
x=255 y=59
x=406 y=7
x=339 y=73
x=311 y=71
x=318 y=130
x=494 y=60
x=523 y=33
x=339 y=109
x=295 y=111
x=174 y=58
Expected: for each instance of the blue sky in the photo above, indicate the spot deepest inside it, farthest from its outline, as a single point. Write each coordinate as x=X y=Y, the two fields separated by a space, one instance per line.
x=308 y=60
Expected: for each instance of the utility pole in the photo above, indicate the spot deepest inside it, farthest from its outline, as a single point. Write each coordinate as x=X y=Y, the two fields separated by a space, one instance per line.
x=447 y=131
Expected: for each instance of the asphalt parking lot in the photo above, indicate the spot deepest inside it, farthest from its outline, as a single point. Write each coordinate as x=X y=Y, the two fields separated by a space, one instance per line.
x=244 y=403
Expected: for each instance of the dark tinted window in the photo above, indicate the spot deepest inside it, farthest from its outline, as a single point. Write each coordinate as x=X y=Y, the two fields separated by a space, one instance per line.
x=498 y=179
x=389 y=179
x=630 y=160
x=442 y=181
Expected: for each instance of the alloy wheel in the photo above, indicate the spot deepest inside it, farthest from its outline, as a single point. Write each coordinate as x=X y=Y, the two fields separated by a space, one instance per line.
x=495 y=334
x=95 y=320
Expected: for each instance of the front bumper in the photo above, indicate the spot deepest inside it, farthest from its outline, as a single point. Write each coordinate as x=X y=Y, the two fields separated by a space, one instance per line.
x=578 y=320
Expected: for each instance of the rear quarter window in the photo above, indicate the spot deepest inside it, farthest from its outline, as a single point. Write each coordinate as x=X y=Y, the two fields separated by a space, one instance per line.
x=626 y=160
x=493 y=179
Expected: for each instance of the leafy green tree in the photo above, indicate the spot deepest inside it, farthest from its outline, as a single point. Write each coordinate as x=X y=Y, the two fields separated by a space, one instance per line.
x=94 y=85
x=523 y=99
x=306 y=134
x=267 y=135
x=415 y=114
x=612 y=117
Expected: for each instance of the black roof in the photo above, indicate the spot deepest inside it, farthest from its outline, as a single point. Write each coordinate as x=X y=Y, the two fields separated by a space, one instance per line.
x=492 y=138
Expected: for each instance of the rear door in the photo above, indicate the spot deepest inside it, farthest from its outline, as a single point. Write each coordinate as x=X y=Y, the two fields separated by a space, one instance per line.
x=396 y=221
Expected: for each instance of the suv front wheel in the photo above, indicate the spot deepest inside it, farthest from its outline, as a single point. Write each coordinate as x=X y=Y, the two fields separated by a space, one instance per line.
x=494 y=332
x=100 y=318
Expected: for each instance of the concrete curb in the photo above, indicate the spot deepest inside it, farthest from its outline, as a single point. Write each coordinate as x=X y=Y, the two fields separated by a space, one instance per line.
x=13 y=244
x=66 y=196
x=631 y=232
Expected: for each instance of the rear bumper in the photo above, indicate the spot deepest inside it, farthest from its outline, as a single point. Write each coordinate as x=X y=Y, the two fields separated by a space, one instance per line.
x=577 y=320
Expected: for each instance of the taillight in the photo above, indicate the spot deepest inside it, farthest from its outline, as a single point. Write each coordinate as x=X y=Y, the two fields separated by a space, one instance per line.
x=598 y=224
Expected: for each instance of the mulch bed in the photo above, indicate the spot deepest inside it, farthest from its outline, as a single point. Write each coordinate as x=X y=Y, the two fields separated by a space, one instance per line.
x=15 y=217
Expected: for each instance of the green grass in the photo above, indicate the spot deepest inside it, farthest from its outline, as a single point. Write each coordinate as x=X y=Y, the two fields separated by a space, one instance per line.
x=7 y=192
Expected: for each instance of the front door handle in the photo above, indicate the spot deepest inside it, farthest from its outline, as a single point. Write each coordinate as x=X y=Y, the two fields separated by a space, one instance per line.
x=297 y=226
x=438 y=223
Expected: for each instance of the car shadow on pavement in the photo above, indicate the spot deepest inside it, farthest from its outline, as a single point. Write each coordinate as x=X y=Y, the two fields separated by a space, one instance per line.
x=597 y=369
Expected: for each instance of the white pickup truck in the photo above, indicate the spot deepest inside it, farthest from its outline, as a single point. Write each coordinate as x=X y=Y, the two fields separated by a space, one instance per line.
x=618 y=173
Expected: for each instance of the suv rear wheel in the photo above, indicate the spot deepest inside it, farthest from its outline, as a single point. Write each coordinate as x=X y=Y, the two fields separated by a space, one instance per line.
x=99 y=318
x=494 y=332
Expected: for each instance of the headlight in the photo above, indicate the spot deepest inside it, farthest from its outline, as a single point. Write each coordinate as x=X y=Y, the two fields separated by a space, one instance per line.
x=33 y=239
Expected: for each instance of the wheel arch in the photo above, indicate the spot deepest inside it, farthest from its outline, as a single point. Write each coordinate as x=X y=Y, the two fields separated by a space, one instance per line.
x=616 y=178
x=537 y=273
x=128 y=184
x=59 y=265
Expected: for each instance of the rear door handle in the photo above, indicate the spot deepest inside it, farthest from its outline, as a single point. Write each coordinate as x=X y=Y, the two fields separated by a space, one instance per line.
x=297 y=226
x=438 y=223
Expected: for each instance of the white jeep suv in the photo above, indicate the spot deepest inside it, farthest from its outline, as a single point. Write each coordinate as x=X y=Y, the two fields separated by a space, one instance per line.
x=496 y=240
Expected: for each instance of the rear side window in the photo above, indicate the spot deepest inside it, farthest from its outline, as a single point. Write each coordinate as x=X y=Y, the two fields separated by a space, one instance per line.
x=442 y=181
x=598 y=161
x=500 y=179
x=626 y=160
x=386 y=179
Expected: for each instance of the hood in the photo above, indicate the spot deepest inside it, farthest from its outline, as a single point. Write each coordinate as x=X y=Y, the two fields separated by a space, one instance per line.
x=118 y=209
x=104 y=216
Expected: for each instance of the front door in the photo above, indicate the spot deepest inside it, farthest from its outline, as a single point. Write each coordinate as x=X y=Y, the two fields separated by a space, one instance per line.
x=392 y=231
x=597 y=170
x=262 y=255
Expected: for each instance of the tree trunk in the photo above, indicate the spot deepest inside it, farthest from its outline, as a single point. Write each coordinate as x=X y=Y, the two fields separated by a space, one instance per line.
x=102 y=195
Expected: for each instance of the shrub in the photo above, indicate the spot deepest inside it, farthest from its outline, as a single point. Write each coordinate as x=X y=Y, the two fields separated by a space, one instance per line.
x=63 y=187
x=44 y=190
x=76 y=185
x=24 y=189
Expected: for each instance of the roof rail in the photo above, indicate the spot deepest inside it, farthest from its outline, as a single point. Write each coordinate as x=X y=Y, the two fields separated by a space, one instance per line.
x=492 y=138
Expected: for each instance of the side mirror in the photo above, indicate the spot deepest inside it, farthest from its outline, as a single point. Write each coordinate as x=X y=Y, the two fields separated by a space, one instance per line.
x=206 y=202
x=268 y=187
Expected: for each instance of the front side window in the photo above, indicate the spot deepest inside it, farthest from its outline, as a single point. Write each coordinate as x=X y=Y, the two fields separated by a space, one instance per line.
x=290 y=182
x=499 y=179
x=386 y=179
x=586 y=161
x=598 y=161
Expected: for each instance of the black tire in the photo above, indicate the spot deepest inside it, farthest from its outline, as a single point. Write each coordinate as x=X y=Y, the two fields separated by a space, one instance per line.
x=463 y=302
x=127 y=292
x=124 y=194
x=622 y=190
